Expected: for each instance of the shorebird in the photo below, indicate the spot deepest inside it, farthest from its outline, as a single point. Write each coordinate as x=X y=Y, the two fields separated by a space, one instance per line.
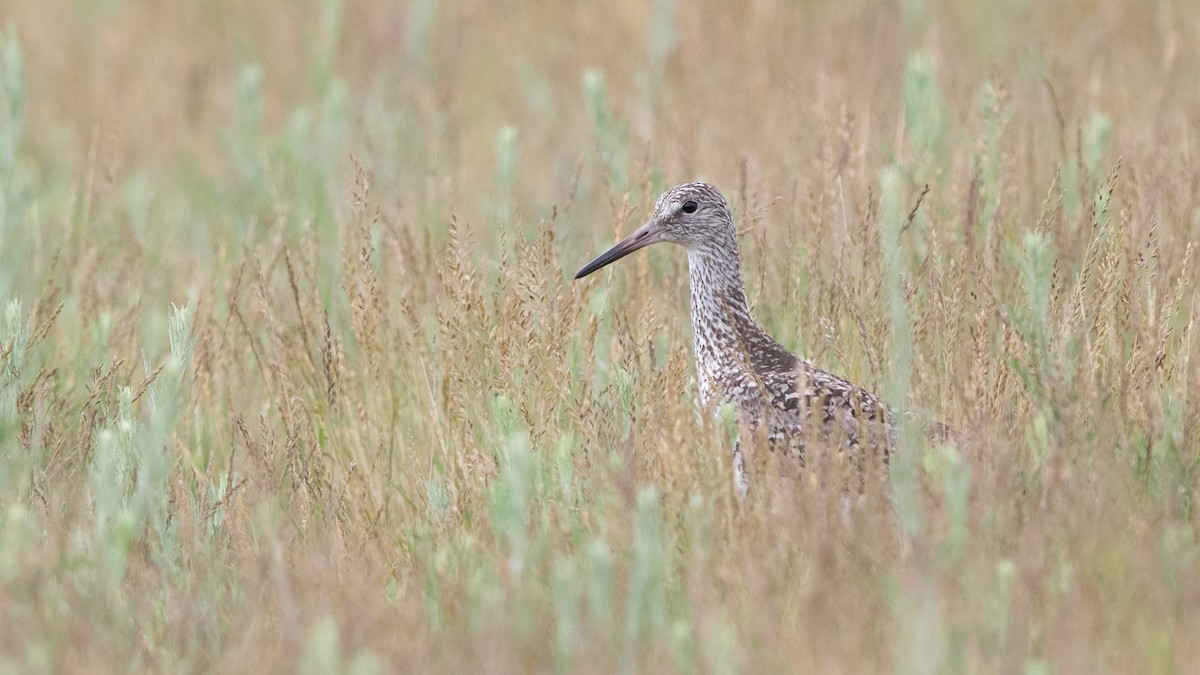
x=737 y=361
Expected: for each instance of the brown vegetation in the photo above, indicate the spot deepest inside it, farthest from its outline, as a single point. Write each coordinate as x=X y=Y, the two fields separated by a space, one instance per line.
x=385 y=432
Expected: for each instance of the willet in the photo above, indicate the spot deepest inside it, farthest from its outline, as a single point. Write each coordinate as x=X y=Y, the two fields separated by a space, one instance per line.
x=801 y=405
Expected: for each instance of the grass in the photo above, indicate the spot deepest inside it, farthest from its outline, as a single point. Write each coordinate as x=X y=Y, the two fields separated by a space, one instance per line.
x=293 y=375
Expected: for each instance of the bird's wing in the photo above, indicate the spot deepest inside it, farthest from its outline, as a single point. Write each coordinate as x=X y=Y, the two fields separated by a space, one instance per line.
x=836 y=410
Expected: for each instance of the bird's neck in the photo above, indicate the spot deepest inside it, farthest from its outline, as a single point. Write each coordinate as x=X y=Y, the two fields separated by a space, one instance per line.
x=721 y=321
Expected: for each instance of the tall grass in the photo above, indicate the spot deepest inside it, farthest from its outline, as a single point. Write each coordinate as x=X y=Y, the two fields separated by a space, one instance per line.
x=293 y=375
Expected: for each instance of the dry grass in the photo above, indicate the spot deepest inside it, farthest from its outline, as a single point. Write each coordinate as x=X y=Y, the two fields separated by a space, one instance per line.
x=382 y=430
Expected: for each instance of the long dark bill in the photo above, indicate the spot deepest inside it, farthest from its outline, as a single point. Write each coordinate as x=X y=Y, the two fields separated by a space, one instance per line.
x=641 y=238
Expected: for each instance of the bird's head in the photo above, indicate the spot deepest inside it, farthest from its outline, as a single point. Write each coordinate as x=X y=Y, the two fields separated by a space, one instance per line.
x=693 y=215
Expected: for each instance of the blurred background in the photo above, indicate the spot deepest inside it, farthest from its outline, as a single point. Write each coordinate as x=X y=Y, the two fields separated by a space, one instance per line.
x=511 y=104
x=293 y=375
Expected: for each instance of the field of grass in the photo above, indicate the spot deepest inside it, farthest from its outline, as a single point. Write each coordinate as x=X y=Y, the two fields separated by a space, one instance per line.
x=293 y=376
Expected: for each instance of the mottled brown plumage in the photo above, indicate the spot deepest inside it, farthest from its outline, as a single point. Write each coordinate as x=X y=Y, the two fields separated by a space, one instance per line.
x=736 y=360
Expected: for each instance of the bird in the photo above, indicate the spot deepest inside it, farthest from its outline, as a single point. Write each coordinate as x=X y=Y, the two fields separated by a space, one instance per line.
x=797 y=404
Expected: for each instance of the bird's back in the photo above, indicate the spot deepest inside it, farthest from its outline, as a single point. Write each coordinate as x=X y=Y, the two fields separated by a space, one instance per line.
x=804 y=405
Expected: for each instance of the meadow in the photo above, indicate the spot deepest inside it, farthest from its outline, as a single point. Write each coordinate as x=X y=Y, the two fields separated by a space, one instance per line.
x=294 y=378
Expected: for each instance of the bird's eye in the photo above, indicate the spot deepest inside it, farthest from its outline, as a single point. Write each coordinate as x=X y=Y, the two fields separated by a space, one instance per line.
x=690 y=206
